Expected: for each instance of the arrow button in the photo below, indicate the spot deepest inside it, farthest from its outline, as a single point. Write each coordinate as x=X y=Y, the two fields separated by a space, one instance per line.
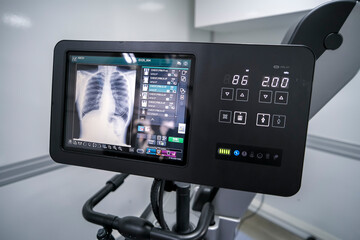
x=265 y=96
x=263 y=120
x=227 y=94
x=242 y=95
x=278 y=121
x=281 y=97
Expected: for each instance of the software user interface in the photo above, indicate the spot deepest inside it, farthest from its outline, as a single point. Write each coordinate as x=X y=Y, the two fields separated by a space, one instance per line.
x=128 y=104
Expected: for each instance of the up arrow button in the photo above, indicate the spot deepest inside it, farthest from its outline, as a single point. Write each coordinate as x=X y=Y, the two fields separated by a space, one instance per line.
x=242 y=95
x=281 y=97
x=263 y=119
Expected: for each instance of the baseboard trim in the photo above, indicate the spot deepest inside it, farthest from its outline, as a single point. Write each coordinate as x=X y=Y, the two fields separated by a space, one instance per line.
x=337 y=147
x=291 y=223
x=25 y=169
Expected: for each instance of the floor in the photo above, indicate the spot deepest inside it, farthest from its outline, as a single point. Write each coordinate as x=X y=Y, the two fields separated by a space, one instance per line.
x=255 y=228
x=259 y=228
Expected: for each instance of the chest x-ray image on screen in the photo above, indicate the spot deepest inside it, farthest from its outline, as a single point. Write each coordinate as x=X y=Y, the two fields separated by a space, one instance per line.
x=104 y=102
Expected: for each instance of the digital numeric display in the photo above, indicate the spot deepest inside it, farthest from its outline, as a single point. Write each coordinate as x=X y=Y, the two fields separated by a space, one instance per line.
x=275 y=82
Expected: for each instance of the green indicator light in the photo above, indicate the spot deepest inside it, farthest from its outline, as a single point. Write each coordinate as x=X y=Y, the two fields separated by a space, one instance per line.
x=224 y=151
x=176 y=140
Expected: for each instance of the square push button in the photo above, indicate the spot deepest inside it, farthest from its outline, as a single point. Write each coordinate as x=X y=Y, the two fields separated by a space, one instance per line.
x=281 y=97
x=278 y=121
x=225 y=116
x=263 y=120
x=240 y=117
x=242 y=95
x=265 y=96
x=227 y=94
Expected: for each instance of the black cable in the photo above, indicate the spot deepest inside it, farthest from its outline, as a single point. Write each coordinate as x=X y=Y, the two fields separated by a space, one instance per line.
x=156 y=198
x=161 y=211
x=154 y=193
x=253 y=213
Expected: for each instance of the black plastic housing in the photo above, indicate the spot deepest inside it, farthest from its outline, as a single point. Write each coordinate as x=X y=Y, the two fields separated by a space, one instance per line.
x=214 y=63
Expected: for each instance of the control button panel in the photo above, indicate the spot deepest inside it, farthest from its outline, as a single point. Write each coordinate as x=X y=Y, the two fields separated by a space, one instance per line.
x=249 y=154
x=261 y=105
x=262 y=119
x=275 y=83
x=250 y=102
x=269 y=91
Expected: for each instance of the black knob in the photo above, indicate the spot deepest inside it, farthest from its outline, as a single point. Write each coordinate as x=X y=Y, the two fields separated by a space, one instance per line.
x=104 y=234
x=333 y=41
x=101 y=233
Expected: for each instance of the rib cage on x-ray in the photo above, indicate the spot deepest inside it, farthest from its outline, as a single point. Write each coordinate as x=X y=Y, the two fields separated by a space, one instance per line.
x=119 y=88
x=94 y=90
x=104 y=103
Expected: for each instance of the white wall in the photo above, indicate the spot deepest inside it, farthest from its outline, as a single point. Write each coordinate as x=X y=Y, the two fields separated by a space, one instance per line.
x=29 y=31
x=326 y=204
x=214 y=12
x=45 y=206
x=340 y=118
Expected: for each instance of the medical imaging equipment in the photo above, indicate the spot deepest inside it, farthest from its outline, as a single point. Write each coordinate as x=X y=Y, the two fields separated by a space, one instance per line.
x=172 y=110
x=222 y=115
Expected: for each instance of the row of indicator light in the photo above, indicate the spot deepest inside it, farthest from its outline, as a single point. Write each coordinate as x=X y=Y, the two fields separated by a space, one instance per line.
x=224 y=151
x=227 y=152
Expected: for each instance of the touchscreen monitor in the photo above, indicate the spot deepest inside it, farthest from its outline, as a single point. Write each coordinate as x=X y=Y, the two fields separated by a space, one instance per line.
x=133 y=105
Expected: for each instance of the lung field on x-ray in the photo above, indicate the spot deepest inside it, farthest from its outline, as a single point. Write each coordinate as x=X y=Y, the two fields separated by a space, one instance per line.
x=94 y=90
x=119 y=88
x=104 y=103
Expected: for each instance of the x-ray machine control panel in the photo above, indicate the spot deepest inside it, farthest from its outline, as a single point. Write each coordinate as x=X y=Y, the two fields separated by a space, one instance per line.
x=225 y=115
x=260 y=100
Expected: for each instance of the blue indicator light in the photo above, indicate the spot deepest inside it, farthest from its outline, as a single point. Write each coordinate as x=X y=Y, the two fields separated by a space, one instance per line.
x=236 y=152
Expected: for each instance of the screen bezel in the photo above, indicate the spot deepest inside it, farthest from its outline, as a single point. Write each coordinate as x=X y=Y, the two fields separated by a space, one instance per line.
x=127 y=155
